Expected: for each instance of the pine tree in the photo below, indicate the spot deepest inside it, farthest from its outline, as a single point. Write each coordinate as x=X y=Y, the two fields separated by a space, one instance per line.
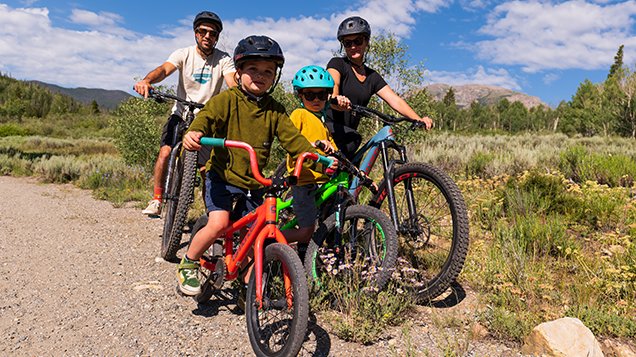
x=618 y=62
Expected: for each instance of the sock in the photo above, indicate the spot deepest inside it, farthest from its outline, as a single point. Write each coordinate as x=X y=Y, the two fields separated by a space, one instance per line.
x=157 y=194
x=186 y=257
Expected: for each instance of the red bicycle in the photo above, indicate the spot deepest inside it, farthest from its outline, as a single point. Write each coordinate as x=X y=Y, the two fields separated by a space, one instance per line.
x=277 y=299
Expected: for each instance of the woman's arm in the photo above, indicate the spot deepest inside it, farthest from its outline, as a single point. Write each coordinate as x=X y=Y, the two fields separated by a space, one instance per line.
x=343 y=102
x=399 y=105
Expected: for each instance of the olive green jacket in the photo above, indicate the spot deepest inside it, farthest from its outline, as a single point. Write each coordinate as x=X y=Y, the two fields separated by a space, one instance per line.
x=231 y=115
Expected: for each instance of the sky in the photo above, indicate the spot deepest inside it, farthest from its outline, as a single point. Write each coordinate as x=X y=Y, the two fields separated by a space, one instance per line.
x=541 y=48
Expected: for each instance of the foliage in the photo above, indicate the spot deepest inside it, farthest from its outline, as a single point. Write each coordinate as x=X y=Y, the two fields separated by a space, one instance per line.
x=136 y=132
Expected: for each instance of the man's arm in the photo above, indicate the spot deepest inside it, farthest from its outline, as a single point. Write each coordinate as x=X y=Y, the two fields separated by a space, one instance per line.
x=230 y=79
x=155 y=76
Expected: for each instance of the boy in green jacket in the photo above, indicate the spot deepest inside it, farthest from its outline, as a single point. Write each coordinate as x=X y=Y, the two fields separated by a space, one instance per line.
x=244 y=113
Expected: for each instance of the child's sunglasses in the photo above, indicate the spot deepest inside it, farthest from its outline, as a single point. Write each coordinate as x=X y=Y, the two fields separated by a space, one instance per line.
x=312 y=95
x=358 y=41
x=203 y=32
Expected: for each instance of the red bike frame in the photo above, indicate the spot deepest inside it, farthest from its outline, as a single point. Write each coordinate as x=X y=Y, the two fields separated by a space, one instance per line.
x=263 y=227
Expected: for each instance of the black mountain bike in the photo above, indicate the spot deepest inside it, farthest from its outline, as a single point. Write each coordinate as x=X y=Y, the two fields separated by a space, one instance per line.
x=425 y=205
x=181 y=178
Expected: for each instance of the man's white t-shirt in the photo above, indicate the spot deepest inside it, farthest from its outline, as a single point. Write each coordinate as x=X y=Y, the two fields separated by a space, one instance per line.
x=200 y=78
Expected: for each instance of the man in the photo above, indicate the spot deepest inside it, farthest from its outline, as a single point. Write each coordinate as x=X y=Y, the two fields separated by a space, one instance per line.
x=201 y=70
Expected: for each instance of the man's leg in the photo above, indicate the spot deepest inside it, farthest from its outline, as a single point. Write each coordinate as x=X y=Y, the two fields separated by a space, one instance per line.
x=161 y=166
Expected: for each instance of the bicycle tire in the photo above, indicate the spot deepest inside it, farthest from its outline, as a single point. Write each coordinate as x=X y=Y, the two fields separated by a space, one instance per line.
x=278 y=329
x=281 y=169
x=184 y=200
x=170 y=208
x=381 y=255
x=436 y=243
x=209 y=280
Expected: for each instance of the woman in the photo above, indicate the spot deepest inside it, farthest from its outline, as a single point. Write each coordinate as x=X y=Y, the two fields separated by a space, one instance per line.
x=358 y=83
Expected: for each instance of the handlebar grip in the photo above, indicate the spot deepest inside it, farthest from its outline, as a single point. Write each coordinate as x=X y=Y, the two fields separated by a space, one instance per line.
x=320 y=145
x=325 y=161
x=213 y=142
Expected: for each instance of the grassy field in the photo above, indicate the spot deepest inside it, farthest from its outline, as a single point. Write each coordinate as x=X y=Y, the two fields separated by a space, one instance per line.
x=552 y=218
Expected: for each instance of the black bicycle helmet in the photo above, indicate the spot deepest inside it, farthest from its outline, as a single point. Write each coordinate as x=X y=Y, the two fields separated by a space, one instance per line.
x=352 y=26
x=258 y=47
x=208 y=16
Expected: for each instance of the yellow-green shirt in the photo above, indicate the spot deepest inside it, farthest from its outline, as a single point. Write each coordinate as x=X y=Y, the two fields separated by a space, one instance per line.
x=313 y=129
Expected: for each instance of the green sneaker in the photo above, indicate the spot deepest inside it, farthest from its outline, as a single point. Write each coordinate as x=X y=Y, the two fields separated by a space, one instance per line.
x=188 y=271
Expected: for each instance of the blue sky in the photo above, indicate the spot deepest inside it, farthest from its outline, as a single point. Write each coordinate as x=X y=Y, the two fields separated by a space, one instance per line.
x=542 y=48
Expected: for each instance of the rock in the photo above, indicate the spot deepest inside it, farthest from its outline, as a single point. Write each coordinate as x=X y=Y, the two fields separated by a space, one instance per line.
x=565 y=337
x=616 y=349
x=478 y=332
x=617 y=249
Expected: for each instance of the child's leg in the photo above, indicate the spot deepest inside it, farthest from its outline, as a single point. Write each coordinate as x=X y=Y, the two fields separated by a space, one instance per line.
x=218 y=222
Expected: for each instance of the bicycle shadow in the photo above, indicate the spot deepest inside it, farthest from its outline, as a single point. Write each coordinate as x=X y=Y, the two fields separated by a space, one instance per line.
x=221 y=298
x=317 y=341
x=452 y=297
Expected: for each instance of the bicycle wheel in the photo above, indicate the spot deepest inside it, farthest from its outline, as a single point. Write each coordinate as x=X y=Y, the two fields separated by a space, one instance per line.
x=210 y=280
x=281 y=169
x=278 y=329
x=184 y=200
x=168 y=248
x=433 y=241
x=364 y=256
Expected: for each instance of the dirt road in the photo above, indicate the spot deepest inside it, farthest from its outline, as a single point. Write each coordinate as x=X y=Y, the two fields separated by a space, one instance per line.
x=81 y=278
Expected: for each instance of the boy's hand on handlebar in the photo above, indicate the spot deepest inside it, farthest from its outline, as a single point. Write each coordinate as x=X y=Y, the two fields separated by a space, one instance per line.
x=334 y=166
x=192 y=140
x=143 y=87
x=326 y=147
x=341 y=103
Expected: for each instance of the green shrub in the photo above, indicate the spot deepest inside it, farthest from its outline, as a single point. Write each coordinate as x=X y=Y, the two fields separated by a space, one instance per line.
x=136 y=133
x=13 y=130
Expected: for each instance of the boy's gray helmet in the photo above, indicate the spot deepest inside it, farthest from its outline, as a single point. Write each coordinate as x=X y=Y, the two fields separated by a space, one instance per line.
x=352 y=26
x=208 y=16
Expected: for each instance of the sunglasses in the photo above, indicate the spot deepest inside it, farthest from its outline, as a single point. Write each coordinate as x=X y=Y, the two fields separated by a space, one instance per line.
x=203 y=32
x=358 y=41
x=312 y=95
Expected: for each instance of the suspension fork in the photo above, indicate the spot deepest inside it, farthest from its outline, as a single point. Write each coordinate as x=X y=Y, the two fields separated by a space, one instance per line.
x=340 y=213
x=410 y=198
x=172 y=160
x=389 y=174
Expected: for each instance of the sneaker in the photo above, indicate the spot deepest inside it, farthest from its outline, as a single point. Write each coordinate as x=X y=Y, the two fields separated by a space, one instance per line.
x=188 y=271
x=153 y=209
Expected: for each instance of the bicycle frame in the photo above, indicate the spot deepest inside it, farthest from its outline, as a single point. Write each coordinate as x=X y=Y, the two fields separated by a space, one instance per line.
x=263 y=221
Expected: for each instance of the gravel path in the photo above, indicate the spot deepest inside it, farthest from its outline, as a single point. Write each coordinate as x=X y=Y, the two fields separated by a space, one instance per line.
x=80 y=278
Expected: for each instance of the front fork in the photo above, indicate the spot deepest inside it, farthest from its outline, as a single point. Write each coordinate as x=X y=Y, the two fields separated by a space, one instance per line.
x=389 y=178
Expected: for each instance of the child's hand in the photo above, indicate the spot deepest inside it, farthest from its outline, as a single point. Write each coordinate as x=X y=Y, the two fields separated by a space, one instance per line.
x=192 y=140
x=343 y=103
x=334 y=165
x=328 y=147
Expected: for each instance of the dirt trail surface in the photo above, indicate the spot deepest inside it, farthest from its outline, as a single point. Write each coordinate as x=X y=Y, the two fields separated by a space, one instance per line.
x=81 y=278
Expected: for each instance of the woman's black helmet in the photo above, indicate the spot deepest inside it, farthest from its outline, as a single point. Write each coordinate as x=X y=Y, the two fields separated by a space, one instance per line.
x=352 y=26
x=258 y=47
x=208 y=16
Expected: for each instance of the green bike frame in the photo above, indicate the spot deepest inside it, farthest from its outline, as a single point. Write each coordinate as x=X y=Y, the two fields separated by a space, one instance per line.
x=321 y=195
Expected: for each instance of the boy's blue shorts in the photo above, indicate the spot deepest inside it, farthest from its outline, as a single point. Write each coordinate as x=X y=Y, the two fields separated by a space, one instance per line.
x=220 y=196
x=305 y=204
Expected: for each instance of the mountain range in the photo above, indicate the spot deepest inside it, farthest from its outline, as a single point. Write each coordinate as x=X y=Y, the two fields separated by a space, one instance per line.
x=482 y=93
x=105 y=98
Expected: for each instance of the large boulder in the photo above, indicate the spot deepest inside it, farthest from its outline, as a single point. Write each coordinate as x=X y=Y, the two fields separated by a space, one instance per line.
x=565 y=337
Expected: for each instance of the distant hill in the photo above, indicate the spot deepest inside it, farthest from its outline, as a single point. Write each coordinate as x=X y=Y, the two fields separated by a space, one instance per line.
x=482 y=93
x=105 y=98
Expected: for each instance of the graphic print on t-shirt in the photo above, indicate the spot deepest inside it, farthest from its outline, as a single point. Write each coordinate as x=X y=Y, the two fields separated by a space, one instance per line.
x=203 y=75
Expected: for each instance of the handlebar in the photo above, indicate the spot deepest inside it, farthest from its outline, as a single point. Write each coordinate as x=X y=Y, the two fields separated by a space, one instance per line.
x=349 y=167
x=385 y=118
x=160 y=97
x=218 y=142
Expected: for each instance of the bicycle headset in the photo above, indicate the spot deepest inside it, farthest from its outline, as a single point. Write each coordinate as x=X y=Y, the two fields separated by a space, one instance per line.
x=313 y=77
x=259 y=48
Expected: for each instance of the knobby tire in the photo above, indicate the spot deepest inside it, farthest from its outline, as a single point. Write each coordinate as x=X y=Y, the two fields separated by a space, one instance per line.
x=432 y=244
x=170 y=208
x=278 y=329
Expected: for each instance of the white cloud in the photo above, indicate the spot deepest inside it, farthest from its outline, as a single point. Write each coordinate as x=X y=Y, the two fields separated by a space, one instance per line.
x=571 y=34
x=550 y=77
x=107 y=55
x=478 y=75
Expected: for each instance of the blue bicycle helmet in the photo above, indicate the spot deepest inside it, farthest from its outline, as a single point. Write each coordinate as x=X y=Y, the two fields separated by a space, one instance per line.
x=312 y=77
x=258 y=47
